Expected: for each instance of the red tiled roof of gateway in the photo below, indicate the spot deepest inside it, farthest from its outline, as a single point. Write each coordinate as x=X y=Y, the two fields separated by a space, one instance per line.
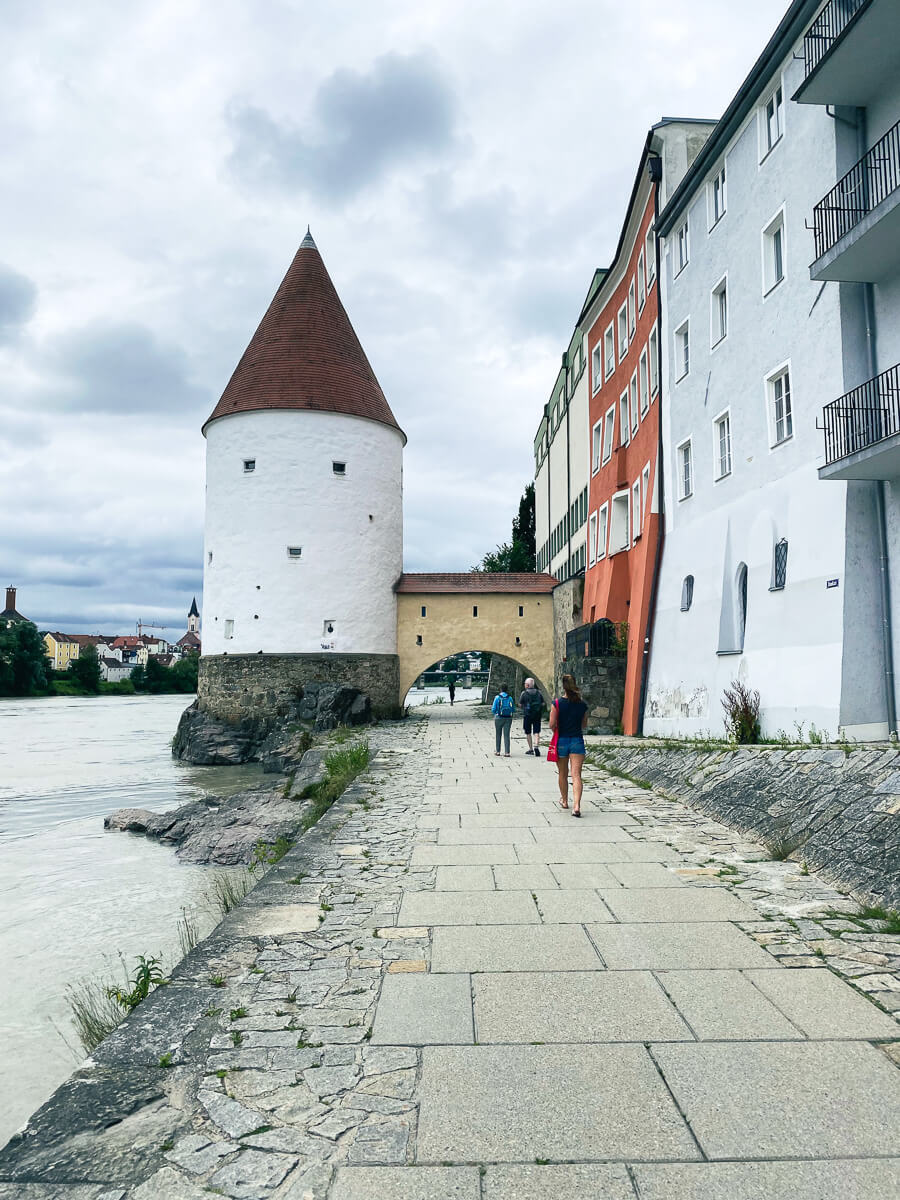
x=476 y=581
x=305 y=354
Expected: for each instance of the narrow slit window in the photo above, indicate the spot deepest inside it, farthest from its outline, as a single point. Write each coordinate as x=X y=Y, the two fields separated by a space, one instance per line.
x=474 y=610
x=521 y=610
x=687 y=593
x=779 y=565
x=424 y=611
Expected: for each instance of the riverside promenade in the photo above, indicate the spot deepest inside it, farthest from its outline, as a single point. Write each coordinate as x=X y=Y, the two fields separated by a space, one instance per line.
x=451 y=990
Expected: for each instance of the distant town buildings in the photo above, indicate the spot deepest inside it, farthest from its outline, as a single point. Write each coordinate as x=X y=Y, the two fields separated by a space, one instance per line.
x=9 y=616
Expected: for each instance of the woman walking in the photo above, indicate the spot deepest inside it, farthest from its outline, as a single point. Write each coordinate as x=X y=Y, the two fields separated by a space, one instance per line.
x=568 y=718
x=503 y=708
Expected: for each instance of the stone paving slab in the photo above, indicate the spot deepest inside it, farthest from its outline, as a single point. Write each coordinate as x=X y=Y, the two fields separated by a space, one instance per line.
x=571 y=1182
x=859 y=1179
x=406 y=1183
x=574 y=1006
x=592 y=816
x=528 y=876
x=468 y=908
x=450 y=856
x=647 y=851
x=503 y=820
x=484 y=837
x=785 y=1099
x=514 y=948
x=823 y=1006
x=415 y=1009
x=519 y=1103
x=673 y=946
x=678 y=904
x=464 y=879
x=578 y=832
x=644 y=875
x=565 y=907
x=582 y=875
x=725 y=1006
x=590 y=852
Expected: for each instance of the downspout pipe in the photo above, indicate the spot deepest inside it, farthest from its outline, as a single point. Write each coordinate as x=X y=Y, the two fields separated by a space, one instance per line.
x=565 y=367
x=654 y=166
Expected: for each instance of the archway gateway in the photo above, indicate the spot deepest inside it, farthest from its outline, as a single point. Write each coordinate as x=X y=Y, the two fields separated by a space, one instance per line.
x=439 y=615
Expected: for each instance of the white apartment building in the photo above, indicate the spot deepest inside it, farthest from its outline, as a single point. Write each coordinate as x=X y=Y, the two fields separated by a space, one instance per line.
x=769 y=575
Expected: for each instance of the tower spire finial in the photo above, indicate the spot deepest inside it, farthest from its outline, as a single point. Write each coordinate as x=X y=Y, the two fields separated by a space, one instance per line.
x=308 y=242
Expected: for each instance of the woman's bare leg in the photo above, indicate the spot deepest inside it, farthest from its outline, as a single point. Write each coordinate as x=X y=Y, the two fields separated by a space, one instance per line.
x=577 y=785
x=562 y=766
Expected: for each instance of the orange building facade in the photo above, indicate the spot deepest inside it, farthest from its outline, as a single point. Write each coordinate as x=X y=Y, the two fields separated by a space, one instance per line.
x=624 y=527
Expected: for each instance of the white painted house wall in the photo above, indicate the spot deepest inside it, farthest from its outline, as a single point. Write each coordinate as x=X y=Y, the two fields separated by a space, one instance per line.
x=793 y=641
x=349 y=529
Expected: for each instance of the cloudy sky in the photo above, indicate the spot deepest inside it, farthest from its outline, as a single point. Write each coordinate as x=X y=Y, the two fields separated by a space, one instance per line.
x=463 y=165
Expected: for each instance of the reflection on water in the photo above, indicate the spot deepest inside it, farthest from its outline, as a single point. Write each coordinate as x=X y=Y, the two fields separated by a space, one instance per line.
x=73 y=896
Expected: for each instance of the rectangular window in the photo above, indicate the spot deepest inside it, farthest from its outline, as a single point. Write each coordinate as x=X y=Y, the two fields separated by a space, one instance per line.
x=609 y=430
x=644 y=382
x=229 y=629
x=249 y=465
x=623 y=331
x=685 y=471
x=641 y=281
x=632 y=315
x=722 y=445
x=773 y=121
x=339 y=468
x=474 y=610
x=650 y=255
x=597 y=447
x=619 y=523
x=633 y=403
x=645 y=487
x=782 y=417
x=521 y=610
x=682 y=351
x=773 y=253
x=609 y=350
x=624 y=422
x=596 y=367
x=294 y=553
x=592 y=539
x=602 y=528
x=653 y=356
x=636 y=509
x=682 y=249
x=718 y=315
x=717 y=198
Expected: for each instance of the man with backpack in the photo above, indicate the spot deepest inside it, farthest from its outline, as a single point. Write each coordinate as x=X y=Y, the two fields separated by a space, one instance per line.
x=503 y=709
x=531 y=703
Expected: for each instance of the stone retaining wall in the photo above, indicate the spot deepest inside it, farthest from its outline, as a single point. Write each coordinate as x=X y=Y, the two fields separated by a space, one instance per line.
x=840 y=809
x=602 y=684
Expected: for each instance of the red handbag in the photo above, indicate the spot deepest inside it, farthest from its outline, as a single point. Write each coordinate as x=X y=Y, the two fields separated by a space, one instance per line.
x=552 y=755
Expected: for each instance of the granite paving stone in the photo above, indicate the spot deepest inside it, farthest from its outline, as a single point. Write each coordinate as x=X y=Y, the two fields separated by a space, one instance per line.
x=406 y=1183
x=724 y=1005
x=451 y=856
x=678 y=904
x=420 y=1009
x=469 y=908
x=573 y=876
x=822 y=1005
x=587 y=852
x=860 y=1179
x=579 y=832
x=528 y=876
x=664 y=946
x=513 y=948
x=579 y=1181
x=644 y=875
x=520 y=1103
x=564 y=907
x=475 y=878
x=574 y=1006
x=485 y=837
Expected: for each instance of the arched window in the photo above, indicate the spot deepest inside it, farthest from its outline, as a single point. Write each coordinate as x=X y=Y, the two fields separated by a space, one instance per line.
x=741 y=614
x=687 y=593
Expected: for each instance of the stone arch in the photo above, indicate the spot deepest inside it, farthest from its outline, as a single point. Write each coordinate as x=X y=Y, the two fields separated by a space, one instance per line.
x=518 y=671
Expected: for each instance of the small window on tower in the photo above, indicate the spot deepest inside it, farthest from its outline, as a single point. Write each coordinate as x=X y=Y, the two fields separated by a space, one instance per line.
x=424 y=611
x=339 y=468
x=229 y=628
x=521 y=610
x=474 y=610
x=295 y=553
x=418 y=639
x=249 y=465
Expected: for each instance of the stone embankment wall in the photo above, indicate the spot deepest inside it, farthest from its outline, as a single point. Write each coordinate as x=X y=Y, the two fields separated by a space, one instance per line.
x=839 y=809
x=602 y=684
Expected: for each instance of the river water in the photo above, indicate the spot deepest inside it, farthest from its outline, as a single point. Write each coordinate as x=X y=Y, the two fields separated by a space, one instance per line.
x=73 y=897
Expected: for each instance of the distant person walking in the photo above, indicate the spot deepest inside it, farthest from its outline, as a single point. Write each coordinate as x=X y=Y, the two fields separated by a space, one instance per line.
x=531 y=703
x=451 y=688
x=568 y=717
x=503 y=709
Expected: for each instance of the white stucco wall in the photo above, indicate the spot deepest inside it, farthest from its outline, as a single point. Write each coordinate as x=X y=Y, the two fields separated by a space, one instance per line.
x=350 y=530
x=793 y=642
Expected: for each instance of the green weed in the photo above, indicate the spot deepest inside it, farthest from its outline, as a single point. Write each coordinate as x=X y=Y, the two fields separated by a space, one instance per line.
x=147 y=975
x=237 y=1014
x=167 y=1059
x=229 y=890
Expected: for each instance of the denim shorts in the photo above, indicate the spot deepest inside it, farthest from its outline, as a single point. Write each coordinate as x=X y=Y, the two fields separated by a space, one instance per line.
x=570 y=745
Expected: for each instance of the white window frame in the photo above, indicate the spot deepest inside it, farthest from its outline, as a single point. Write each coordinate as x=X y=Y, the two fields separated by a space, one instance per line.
x=622 y=326
x=624 y=420
x=592 y=539
x=719 y=419
x=633 y=403
x=637 y=525
x=645 y=491
x=609 y=433
x=596 y=368
x=229 y=629
x=641 y=281
x=766 y=145
x=718 y=186
x=602 y=530
x=685 y=493
x=650 y=256
x=682 y=247
x=632 y=311
x=644 y=382
x=780 y=372
x=683 y=330
x=596 y=446
x=718 y=329
x=777 y=221
x=653 y=356
x=609 y=344
x=621 y=501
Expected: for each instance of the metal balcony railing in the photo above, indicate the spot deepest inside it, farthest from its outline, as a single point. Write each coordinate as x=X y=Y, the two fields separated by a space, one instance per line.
x=827 y=28
x=600 y=640
x=862 y=189
x=863 y=417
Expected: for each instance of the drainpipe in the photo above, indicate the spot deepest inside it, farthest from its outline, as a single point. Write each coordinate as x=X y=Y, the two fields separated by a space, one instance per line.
x=654 y=166
x=565 y=365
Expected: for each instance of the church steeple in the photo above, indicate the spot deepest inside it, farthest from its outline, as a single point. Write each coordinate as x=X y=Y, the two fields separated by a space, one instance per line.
x=194 y=617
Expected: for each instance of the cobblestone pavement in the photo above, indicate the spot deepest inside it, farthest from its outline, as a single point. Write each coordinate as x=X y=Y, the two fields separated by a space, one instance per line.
x=455 y=990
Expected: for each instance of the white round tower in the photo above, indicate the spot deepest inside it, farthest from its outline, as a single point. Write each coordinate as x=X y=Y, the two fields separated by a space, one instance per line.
x=304 y=521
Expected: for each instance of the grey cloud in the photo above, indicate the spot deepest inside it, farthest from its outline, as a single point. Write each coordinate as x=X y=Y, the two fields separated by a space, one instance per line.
x=475 y=230
x=360 y=126
x=121 y=369
x=18 y=298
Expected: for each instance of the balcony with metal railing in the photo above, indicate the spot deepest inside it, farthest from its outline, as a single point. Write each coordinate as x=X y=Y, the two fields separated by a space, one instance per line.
x=857 y=225
x=862 y=431
x=850 y=50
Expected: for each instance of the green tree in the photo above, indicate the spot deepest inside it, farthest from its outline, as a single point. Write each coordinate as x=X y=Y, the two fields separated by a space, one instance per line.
x=24 y=666
x=85 y=669
x=184 y=673
x=516 y=555
x=155 y=674
x=523 y=524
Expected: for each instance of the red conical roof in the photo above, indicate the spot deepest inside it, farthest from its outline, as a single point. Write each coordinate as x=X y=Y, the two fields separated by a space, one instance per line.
x=305 y=354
